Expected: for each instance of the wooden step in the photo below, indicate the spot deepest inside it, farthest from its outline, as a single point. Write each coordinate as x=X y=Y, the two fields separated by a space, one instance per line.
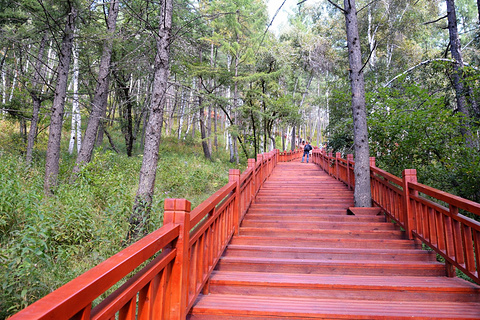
x=329 y=253
x=310 y=216
x=281 y=200
x=339 y=211
x=359 y=287
x=298 y=255
x=304 y=224
x=222 y=306
x=323 y=233
x=321 y=242
x=300 y=205
x=318 y=266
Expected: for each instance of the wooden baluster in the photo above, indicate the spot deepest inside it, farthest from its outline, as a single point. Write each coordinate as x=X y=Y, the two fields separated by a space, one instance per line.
x=409 y=176
x=373 y=164
x=476 y=244
x=145 y=299
x=177 y=211
x=349 y=174
x=129 y=310
x=260 y=161
x=234 y=175
x=330 y=168
x=251 y=164
x=450 y=245
x=432 y=227
x=83 y=314
x=457 y=236
x=469 y=248
x=325 y=161
x=338 y=155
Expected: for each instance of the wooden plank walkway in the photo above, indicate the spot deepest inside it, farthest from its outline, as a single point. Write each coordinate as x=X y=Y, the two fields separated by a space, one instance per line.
x=300 y=256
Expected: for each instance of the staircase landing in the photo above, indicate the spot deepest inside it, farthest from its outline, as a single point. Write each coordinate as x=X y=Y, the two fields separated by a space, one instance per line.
x=299 y=255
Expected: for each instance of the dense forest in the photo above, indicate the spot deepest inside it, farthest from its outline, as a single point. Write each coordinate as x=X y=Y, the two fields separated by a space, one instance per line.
x=107 y=107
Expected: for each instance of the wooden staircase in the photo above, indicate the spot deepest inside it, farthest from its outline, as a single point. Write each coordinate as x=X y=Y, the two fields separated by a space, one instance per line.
x=299 y=255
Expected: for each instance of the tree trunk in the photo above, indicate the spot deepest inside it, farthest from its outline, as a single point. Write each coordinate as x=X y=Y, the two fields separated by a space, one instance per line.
x=75 y=133
x=455 y=48
x=99 y=103
x=362 y=194
x=36 y=101
x=58 y=105
x=478 y=8
x=293 y=139
x=123 y=90
x=201 y=117
x=146 y=186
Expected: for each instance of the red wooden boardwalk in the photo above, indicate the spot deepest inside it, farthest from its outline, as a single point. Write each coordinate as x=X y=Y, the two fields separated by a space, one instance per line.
x=298 y=255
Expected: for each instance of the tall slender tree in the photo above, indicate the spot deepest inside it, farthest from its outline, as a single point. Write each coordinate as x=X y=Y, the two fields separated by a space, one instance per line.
x=35 y=93
x=56 y=121
x=99 y=103
x=148 y=171
x=362 y=193
x=458 y=77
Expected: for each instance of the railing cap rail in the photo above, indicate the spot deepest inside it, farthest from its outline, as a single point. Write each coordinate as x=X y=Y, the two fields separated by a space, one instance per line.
x=449 y=198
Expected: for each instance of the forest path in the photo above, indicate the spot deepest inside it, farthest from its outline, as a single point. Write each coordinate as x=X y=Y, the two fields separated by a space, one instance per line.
x=299 y=255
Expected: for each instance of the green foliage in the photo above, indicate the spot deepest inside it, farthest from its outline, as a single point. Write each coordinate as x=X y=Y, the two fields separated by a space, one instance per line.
x=46 y=242
x=411 y=128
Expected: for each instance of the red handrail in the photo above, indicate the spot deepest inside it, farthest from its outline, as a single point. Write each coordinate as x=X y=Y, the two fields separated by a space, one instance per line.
x=185 y=251
x=442 y=228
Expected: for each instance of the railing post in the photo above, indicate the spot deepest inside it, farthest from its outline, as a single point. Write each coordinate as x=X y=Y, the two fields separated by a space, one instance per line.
x=409 y=175
x=330 y=169
x=251 y=164
x=372 y=162
x=260 y=160
x=349 y=161
x=234 y=175
x=338 y=155
x=177 y=211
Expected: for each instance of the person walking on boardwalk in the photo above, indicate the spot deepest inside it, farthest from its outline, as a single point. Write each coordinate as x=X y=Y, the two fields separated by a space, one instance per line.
x=306 y=150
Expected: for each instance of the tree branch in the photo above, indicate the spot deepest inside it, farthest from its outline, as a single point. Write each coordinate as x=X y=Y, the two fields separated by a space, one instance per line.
x=369 y=56
x=337 y=6
x=367 y=5
x=441 y=18
x=419 y=65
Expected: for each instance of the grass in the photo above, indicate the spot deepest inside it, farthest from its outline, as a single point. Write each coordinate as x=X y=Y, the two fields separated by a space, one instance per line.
x=46 y=242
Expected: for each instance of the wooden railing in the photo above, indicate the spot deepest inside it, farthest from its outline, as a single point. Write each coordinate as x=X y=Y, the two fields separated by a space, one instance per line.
x=181 y=256
x=418 y=210
x=287 y=156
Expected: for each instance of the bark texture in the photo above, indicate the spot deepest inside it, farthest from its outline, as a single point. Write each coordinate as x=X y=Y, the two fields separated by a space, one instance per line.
x=362 y=193
x=143 y=199
x=101 y=92
x=55 y=133
x=460 y=89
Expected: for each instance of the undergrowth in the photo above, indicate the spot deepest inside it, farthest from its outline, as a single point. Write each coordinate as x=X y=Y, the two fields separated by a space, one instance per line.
x=46 y=242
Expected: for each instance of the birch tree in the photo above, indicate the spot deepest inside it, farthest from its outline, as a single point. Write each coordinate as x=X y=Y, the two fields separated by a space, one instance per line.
x=99 y=103
x=76 y=130
x=35 y=93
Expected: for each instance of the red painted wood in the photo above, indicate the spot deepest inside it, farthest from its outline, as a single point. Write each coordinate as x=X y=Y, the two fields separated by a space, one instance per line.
x=299 y=255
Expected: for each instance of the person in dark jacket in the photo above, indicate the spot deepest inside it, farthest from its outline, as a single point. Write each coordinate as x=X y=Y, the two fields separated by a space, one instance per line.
x=306 y=151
